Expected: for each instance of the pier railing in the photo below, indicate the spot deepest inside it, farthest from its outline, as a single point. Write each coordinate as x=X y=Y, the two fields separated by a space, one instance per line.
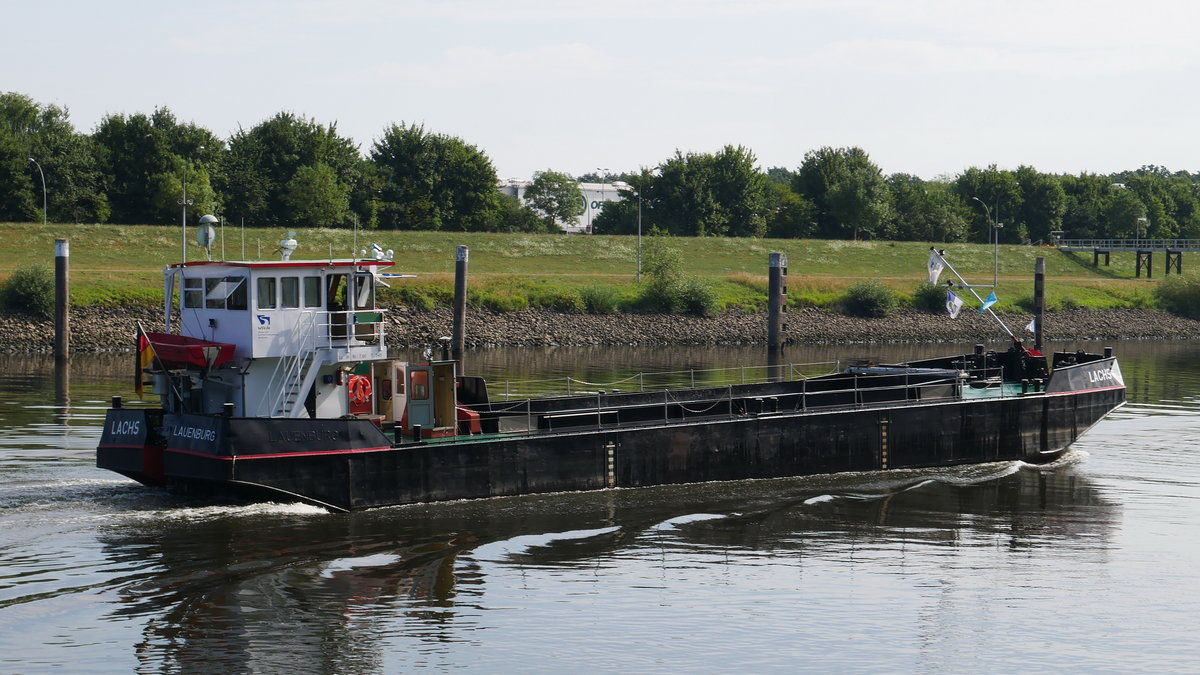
x=1135 y=244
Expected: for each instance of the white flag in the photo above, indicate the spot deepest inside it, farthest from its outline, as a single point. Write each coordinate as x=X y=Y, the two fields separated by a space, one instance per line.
x=935 y=266
x=1032 y=327
x=953 y=304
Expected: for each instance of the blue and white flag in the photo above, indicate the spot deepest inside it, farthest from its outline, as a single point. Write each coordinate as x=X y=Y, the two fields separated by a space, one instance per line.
x=935 y=266
x=988 y=302
x=953 y=304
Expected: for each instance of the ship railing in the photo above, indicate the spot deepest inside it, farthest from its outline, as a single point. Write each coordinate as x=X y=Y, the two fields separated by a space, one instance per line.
x=351 y=328
x=844 y=392
x=662 y=380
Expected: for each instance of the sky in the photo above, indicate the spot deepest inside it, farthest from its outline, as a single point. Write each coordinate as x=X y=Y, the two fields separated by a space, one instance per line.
x=928 y=88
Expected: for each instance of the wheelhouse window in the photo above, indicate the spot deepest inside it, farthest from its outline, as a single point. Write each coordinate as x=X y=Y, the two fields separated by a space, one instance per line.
x=224 y=292
x=289 y=292
x=193 y=293
x=266 y=293
x=312 y=292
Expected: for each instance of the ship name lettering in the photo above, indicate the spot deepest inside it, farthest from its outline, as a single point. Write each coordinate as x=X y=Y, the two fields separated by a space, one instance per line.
x=194 y=433
x=308 y=436
x=1102 y=375
x=125 y=427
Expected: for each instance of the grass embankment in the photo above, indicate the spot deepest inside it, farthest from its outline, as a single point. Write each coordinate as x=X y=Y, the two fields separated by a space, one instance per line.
x=121 y=264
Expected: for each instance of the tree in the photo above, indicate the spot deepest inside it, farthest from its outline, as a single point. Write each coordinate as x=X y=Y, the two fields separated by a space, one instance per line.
x=925 y=210
x=74 y=182
x=621 y=217
x=847 y=189
x=711 y=195
x=556 y=197
x=1043 y=203
x=315 y=196
x=265 y=163
x=433 y=181
x=510 y=215
x=16 y=192
x=793 y=216
x=994 y=195
x=742 y=192
x=147 y=159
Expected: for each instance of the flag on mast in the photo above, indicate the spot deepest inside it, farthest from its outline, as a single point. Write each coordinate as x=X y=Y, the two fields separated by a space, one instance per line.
x=988 y=302
x=1032 y=327
x=142 y=359
x=953 y=304
x=935 y=266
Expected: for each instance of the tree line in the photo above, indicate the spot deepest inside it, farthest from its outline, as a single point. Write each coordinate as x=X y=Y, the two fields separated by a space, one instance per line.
x=290 y=171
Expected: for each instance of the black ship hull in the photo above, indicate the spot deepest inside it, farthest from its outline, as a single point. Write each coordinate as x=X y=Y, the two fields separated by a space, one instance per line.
x=347 y=464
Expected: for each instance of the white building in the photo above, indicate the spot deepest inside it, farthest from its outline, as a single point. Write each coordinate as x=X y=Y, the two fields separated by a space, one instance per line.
x=594 y=196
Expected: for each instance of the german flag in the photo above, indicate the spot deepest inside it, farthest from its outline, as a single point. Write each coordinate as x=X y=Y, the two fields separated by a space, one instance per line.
x=143 y=358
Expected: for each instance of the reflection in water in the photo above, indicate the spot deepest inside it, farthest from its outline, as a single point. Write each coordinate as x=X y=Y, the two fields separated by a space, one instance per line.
x=214 y=582
x=908 y=571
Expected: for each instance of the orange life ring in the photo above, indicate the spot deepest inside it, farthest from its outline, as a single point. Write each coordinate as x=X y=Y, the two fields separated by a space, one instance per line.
x=360 y=389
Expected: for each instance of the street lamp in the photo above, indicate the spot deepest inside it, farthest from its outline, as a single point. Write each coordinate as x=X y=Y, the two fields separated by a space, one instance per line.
x=995 y=238
x=43 y=175
x=184 y=202
x=622 y=184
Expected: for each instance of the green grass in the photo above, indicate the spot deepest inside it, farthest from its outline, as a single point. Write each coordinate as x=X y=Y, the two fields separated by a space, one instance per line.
x=118 y=264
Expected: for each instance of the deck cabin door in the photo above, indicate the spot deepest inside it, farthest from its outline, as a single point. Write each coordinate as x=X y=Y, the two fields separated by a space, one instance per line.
x=337 y=296
x=420 y=397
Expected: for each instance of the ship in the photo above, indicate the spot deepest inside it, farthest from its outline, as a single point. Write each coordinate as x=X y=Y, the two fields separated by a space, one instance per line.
x=274 y=383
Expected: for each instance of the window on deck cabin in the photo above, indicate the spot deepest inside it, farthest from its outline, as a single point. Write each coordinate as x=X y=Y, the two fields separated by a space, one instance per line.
x=364 y=297
x=225 y=292
x=266 y=293
x=312 y=291
x=193 y=292
x=289 y=292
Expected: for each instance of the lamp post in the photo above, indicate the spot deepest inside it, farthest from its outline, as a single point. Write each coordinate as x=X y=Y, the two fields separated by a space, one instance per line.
x=995 y=225
x=184 y=202
x=639 y=271
x=619 y=184
x=43 y=175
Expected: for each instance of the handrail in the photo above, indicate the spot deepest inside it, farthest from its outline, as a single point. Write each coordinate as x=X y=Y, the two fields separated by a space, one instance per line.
x=800 y=402
x=1129 y=244
x=738 y=375
x=302 y=344
x=795 y=401
x=345 y=320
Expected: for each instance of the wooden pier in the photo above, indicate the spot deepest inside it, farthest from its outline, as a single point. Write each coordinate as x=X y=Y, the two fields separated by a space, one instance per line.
x=1172 y=249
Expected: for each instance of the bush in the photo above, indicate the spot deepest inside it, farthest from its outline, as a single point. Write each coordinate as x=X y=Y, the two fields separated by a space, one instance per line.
x=412 y=297
x=868 y=298
x=1178 y=295
x=567 y=301
x=496 y=303
x=697 y=297
x=929 y=298
x=30 y=290
x=599 y=300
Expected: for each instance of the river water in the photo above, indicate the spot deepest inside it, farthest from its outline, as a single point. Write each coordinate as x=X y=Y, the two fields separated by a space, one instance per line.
x=1092 y=564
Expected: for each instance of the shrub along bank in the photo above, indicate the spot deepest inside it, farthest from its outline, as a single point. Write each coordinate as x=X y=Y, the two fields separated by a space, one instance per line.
x=102 y=329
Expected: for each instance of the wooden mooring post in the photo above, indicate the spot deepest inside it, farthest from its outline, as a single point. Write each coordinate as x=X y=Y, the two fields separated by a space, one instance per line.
x=1039 y=300
x=62 y=299
x=776 y=301
x=460 y=304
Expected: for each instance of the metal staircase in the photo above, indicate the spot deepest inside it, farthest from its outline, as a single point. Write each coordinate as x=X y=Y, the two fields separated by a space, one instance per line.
x=296 y=375
x=295 y=372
